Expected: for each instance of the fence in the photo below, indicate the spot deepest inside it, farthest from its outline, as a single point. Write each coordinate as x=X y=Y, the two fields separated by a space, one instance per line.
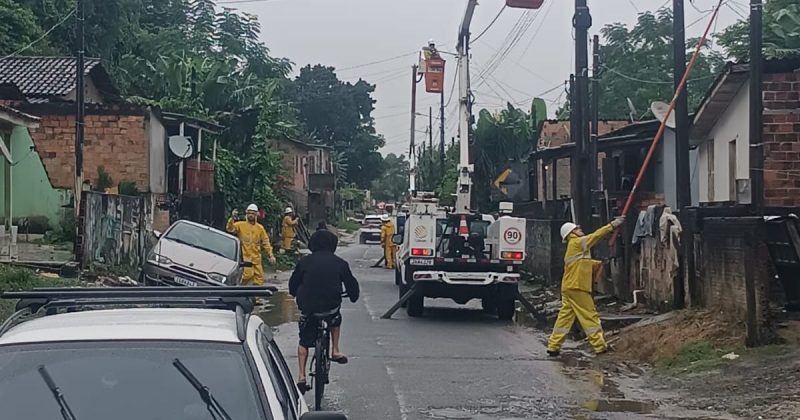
x=114 y=231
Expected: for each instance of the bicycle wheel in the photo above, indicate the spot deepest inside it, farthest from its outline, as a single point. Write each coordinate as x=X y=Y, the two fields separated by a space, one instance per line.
x=321 y=367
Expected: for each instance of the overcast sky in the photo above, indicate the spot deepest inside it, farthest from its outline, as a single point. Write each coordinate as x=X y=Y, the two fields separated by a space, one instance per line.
x=348 y=34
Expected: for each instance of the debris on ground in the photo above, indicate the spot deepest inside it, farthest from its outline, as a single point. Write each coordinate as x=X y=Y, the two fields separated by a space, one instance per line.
x=115 y=281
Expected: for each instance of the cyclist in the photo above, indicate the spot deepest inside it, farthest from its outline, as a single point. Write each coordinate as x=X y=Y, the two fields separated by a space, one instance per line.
x=316 y=283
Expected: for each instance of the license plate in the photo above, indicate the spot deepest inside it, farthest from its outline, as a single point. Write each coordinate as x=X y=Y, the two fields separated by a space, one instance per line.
x=421 y=261
x=185 y=282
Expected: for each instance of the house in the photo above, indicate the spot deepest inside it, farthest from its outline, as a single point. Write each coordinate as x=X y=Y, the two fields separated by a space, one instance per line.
x=310 y=179
x=748 y=256
x=24 y=186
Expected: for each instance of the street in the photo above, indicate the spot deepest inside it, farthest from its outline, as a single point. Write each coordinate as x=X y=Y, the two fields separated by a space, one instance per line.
x=455 y=363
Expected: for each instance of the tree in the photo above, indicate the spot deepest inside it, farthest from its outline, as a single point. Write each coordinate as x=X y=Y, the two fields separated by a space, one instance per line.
x=637 y=64
x=18 y=29
x=393 y=185
x=781 y=20
x=339 y=114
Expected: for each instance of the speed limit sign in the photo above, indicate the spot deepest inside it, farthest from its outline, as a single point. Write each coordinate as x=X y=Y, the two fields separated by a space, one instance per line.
x=512 y=236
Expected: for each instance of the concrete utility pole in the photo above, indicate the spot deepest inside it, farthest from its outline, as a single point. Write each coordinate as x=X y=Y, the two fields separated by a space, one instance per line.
x=682 y=167
x=581 y=183
x=465 y=169
x=412 y=150
x=441 y=136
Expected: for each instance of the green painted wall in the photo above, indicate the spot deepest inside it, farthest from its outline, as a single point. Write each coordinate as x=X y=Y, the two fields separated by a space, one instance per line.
x=32 y=195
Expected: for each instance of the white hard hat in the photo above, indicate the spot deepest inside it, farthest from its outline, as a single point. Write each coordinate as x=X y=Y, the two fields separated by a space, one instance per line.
x=252 y=207
x=430 y=41
x=288 y=210
x=385 y=218
x=566 y=229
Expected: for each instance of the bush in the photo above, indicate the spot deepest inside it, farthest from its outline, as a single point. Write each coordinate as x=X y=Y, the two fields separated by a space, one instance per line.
x=65 y=231
x=15 y=279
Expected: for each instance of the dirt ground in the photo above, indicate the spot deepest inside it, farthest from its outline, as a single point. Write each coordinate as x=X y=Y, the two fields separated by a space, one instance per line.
x=683 y=354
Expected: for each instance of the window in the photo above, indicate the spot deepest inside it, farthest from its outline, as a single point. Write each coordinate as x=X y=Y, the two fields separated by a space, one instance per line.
x=127 y=380
x=710 y=161
x=206 y=239
x=732 y=170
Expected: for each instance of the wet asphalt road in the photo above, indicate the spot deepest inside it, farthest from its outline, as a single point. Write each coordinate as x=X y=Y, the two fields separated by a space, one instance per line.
x=455 y=363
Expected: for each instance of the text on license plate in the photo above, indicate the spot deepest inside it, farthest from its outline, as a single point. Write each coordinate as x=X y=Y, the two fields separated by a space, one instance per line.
x=185 y=282
x=421 y=261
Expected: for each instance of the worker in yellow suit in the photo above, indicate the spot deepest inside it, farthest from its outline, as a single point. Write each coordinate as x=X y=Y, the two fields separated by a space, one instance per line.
x=387 y=231
x=287 y=229
x=254 y=240
x=576 y=287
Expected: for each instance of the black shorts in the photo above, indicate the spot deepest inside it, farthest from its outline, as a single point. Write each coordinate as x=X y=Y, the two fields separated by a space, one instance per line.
x=308 y=328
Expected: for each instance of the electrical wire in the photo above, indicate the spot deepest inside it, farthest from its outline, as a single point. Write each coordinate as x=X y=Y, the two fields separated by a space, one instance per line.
x=385 y=60
x=652 y=82
x=44 y=35
x=475 y=39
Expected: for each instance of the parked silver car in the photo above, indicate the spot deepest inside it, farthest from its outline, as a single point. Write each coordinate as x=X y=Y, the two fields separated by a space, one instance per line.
x=192 y=254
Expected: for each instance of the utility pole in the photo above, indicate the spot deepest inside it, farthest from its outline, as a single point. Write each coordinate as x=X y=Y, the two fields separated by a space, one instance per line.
x=79 y=117
x=756 y=106
x=412 y=150
x=441 y=136
x=593 y=173
x=581 y=184
x=682 y=167
x=465 y=169
x=432 y=157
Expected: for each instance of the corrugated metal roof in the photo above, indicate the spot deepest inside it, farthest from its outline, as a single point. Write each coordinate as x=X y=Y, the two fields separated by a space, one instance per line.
x=42 y=77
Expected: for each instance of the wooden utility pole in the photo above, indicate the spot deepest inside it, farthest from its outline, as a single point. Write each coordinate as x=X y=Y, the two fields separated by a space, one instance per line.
x=682 y=167
x=581 y=184
x=756 y=106
x=593 y=172
x=79 y=119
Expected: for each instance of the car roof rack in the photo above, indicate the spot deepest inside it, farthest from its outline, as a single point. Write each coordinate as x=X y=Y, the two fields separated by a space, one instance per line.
x=239 y=299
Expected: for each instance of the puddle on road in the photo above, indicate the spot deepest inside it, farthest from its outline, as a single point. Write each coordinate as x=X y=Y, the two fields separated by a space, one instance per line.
x=620 y=406
x=280 y=309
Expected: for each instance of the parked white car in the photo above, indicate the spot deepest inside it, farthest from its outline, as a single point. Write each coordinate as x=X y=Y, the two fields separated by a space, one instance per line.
x=200 y=354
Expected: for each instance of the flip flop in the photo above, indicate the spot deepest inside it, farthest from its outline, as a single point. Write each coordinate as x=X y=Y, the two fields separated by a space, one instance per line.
x=342 y=360
x=303 y=387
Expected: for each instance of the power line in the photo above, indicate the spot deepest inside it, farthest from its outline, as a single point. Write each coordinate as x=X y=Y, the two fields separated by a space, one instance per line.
x=44 y=35
x=490 y=24
x=652 y=82
x=385 y=60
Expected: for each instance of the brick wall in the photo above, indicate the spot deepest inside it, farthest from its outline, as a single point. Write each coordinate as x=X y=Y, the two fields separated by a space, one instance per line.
x=781 y=138
x=725 y=250
x=119 y=143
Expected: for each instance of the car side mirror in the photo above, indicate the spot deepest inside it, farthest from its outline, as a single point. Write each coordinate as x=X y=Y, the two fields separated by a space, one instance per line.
x=246 y=264
x=157 y=233
x=397 y=239
x=323 y=415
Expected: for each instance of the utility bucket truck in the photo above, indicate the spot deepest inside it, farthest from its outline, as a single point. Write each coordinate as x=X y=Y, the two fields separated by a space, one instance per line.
x=460 y=256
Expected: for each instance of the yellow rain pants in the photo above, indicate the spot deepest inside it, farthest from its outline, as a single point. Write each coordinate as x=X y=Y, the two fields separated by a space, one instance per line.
x=387 y=231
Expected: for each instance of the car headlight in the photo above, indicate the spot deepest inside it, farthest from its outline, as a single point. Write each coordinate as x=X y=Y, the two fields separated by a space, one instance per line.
x=217 y=277
x=159 y=259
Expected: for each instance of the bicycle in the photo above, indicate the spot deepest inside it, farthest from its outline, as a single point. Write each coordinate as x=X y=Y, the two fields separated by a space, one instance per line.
x=321 y=361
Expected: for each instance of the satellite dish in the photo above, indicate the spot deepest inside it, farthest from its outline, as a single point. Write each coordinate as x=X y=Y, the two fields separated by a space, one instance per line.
x=660 y=110
x=5 y=151
x=181 y=146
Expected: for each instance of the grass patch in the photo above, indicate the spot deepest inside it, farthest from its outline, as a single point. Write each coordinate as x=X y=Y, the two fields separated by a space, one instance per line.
x=15 y=279
x=694 y=356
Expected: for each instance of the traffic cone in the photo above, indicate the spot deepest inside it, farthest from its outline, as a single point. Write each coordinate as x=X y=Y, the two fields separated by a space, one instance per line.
x=463 y=229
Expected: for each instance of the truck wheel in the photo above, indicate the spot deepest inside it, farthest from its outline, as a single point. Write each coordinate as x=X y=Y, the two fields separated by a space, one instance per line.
x=402 y=289
x=506 y=309
x=416 y=305
x=489 y=305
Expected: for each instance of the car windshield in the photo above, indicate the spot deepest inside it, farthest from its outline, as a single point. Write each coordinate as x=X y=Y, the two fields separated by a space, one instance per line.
x=205 y=239
x=126 y=381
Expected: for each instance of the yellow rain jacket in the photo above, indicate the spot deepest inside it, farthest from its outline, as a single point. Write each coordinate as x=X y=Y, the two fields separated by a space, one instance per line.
x=387 y=231
x=254 y=239
x=579 y=267
x=287 y=231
